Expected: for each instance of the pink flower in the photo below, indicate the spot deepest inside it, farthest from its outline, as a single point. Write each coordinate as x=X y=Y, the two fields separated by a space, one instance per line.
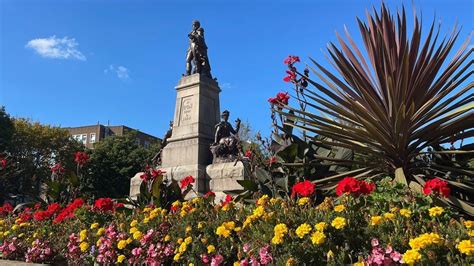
x=374 y=242
x=217 y=260
x=137 y=252
x=205 y=258
x=265 y=255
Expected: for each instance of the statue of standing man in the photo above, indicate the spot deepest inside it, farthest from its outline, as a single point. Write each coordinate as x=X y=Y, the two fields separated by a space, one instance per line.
x=196 y=56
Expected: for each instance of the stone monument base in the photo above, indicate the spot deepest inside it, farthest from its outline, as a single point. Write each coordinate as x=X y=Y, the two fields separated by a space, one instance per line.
x=135 y=183
x=201 y=185
x=224 y=176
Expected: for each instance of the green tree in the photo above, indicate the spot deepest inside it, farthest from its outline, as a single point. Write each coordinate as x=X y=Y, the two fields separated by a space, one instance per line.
x=6 y=133
x=31 y=152
x=114 y=161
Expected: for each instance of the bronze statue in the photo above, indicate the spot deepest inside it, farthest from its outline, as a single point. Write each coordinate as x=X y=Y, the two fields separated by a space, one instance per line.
x=226 y=142
x=157 y=158
x=196 y=56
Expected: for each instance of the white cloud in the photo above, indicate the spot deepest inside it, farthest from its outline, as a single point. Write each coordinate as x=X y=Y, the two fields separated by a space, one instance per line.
x=59 y=48
x=226 y=86
x=122 y=72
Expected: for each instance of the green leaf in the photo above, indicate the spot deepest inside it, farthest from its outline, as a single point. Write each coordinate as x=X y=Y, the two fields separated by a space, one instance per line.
x=248 y=185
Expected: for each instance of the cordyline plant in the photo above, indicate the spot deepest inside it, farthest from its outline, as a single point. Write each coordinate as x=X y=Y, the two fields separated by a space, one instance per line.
x=391 y=104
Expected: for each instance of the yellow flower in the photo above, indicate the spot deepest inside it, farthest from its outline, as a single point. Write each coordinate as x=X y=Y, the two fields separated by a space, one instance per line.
x=122 y=244
x=99 y=241
x=167 y=238
x=469 y=224
x=188 y=229
x=376 y=220
x=277 y=239
x=222 y=231
x=188 y=240
x=280 y=230
x=303 y=201
x=359 y=263
x=436 y=211
x=83 y=235
x=321 y=226
x=236 y=263
x=229 y=225
x=176 y=257
x=100 y=232
x=134 y=223
x=274 y=201
x=389 y=216
x=339 y=208
x=303 y=230
x=471 y=233
x=137 y=235
x=262 y=200
x=146 y=209
x=237 y=229
x=211 y=249
x=84 y=246
x=120 y=258
x=176 y=204
x=290 y=262
x=424 y=240
x=411 y=256
x=191 y=264
x=94 y=225
x=405 y=212
x=129 y=240
x=339 y=223
x=204 y=240
x=317 y=238
x=21 y=235
x=6 y=233
x=466 y=247
x=24 y=225
x=179 y=241
x=259 y=211
x=182 y=248
x=146 y=220
x=200 y=225
x=330 y=255
x=15 y=227
x=133 y=230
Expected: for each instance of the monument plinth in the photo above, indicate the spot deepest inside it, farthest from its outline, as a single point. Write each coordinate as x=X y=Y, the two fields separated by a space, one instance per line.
x=196 y=114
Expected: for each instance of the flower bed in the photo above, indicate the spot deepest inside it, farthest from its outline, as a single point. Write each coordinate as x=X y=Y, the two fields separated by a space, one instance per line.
x=382 y=224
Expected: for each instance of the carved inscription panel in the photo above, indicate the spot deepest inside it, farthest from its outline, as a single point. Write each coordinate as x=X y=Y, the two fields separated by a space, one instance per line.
x=186 y=110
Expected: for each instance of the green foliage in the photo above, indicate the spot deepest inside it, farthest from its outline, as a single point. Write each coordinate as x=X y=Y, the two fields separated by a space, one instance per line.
x=6 y=124
x=33 y=149
x=113 y=162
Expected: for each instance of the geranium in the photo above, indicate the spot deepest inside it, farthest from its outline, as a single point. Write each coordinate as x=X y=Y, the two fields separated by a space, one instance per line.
x=437 y=186
x=104 y=204
x=303 y=189
x=3 y=162
x=150 y=174
x=354 y=187
x=291 y=59
x=68 y=212
x=6 y=209
x=185 y=182
x=81 y=158
x=248 y=153
x=57 y=169
x=210 y=194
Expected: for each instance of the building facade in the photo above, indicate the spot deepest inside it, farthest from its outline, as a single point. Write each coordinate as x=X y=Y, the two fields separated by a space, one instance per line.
x=89 y=135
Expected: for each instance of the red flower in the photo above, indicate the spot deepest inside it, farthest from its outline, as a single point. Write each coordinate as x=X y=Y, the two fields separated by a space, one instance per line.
x=227 y=199
x=57 y=169
x=7 y=208
x=437 y=186
x=210 y=194
x=104 y=204
x=185 y=182
x=3 y=162
x=352 y=186
x=272 y=160
x=291 y=59
x=157 y=173
x=290 y=77
x=37 y=206
x=248 y=154
x=68 y=212
x=119 y=205
x=303 y=189
x=42 y=215
x=81 y=158
x=281 y=98
x=151 y=174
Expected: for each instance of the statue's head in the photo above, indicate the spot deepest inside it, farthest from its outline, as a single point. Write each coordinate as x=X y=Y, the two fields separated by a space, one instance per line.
x=196 y=24
x=225 y=115
x=171 y=123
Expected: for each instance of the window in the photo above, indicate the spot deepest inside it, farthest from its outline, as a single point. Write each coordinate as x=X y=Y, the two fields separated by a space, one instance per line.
x=92 y=138
x=83 y=138
x=146 y=144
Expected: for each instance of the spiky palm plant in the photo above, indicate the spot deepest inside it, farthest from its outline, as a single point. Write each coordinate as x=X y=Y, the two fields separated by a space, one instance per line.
x=391 y=102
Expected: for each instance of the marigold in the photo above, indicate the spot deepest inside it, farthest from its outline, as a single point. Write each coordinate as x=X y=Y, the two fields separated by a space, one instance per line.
x=435 y=211
x=94 y=225
x=177 y=256
x=83 y=235
x=134 y=223
x=321 y=226
x=122 y=244
x=466 y=247
x=280 y=229
x=339 y=208
x=469 y=224
x=339 y=223
x=211 y=249
x=121 y=258
x=303 y=201
x=389 y=216
x=137 y=235
x=263 y=200
x=359 y=263
x=188 y=240
x=259 y=211
x=318 y=238
x=424 y=240
x=84 y=246
x=222 y=231
x=376 y=220
x=405 y=212
x=303 y=230
x=411 y=256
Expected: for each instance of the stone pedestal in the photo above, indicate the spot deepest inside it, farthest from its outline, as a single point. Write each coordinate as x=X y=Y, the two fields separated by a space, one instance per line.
x=135 y=183
x=196 y=113
x=224 y=176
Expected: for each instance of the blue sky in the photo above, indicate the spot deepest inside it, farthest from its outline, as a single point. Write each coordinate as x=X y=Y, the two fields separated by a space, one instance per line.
x=123 y=58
